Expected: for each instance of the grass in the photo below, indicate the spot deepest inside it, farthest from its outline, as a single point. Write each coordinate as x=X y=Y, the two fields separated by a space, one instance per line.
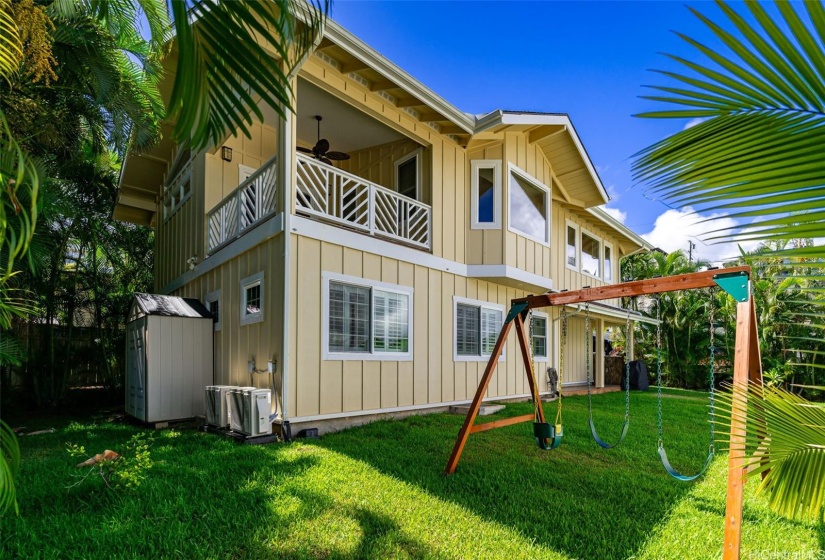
x=377 y=492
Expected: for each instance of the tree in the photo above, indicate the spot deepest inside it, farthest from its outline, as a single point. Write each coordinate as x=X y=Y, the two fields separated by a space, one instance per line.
x=230 y=57
x=757 y=153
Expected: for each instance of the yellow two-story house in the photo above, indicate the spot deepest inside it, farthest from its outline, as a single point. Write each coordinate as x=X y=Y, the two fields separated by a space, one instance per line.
x=369 y=243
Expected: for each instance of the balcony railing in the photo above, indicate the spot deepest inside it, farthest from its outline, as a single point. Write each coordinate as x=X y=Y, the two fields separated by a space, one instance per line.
x=250 y=203
x=340 y=197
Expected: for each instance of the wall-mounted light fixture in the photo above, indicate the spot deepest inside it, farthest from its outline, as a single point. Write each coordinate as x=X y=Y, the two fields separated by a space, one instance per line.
x=226 y=153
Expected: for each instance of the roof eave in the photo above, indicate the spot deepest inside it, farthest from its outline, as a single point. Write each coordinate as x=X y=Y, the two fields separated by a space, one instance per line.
x=360 y=50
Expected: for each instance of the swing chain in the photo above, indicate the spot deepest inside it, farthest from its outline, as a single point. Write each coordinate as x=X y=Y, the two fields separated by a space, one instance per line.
x=587 y=345
x=659 y=373
x=627 y=369
x=560 y=378
x=536 y=404
x=712 y=410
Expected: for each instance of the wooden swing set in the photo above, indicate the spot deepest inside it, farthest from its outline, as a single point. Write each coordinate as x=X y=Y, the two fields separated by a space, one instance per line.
x=747 y=367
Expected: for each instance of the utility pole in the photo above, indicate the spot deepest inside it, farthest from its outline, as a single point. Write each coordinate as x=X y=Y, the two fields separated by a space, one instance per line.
x=691 y=247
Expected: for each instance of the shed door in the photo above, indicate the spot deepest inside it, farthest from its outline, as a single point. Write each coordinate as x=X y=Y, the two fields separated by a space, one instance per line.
x=136 y=369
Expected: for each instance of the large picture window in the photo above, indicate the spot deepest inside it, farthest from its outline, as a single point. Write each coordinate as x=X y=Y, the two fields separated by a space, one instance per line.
x=477 y=325
x=366 y=320
x=529 y=208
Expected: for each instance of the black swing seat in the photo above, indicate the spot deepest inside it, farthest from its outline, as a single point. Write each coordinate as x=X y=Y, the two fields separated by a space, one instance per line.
x=548 y=436
x=603 y=444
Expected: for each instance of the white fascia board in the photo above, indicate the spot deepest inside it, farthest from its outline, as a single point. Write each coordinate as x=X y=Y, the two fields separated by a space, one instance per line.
x=606 y=218
x=498 y=117
x=360 y=50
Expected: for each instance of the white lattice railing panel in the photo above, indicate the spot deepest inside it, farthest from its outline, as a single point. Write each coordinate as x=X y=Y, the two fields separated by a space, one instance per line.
x=251 y=202
x=337 y=196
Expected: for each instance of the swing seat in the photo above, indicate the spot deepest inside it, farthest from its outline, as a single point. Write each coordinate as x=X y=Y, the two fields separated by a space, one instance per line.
x=603 y=444
x=676 y=474
x=548 y=436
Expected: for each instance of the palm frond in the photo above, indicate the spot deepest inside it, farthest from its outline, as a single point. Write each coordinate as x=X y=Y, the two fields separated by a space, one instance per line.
x=232 y=53
x=9 y=465
x=759 y=149
x=11 y=50
x=785 y=441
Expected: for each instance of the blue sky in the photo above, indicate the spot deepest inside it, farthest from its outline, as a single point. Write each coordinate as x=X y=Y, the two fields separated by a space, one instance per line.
x=587 y=59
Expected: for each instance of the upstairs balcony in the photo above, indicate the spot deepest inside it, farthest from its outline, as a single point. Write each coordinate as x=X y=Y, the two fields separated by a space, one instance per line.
x=332 y=195
x=325 y=193
x=254 y=200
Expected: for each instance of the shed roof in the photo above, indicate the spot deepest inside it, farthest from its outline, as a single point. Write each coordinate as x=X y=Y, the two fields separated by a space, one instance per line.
x=167 y=306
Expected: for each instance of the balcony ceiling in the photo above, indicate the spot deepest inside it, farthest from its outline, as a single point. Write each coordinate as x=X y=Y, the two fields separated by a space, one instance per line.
x=346 y=128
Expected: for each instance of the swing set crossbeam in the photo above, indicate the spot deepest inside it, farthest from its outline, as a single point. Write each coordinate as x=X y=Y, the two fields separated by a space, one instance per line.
x=747 y=365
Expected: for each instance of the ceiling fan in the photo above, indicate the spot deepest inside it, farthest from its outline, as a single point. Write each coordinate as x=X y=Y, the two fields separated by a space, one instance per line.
x=321 y=149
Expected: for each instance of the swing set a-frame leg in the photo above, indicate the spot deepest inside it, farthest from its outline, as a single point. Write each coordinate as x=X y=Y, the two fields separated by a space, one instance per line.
x=747 y=366
x=514 y=316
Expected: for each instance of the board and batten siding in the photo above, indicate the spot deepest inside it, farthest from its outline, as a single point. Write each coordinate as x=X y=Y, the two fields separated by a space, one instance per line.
x=181 y=236
x=319 y=386
x=236 y=344
x=447 y=167
x=253 y=151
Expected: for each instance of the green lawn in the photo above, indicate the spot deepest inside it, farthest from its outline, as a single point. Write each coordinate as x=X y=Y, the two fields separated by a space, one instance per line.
x=377 y=492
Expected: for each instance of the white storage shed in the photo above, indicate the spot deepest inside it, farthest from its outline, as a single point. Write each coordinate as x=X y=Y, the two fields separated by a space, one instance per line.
x=168 y=357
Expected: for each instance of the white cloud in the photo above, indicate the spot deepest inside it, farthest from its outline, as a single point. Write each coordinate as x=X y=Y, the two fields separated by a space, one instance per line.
x=675 y=228
x=693 y=122
x=616 y=214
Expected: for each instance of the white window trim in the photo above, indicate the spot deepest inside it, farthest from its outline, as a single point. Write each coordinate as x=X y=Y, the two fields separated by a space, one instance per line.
x=244 y=172
x=581 y=251
x=495 y=165
x=514 y=169
x=569 y=224
x=605 y=245
x=249 y=282
x=477 y=303
x=326 y=278
x=216 y=296
x=404 y=159
x=546 y=317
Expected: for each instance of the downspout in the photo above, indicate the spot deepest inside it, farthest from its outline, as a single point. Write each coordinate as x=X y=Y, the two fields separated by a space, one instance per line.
x=287 y=163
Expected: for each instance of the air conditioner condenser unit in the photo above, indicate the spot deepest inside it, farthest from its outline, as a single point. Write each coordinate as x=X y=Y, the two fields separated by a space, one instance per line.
x=217 y=410
x=249 y=410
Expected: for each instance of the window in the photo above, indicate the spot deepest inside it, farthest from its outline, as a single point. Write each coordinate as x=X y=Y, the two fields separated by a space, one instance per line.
x=252 y=299
x=486 y=194
x=529 y=208
x=539 y=336
x=608 y=262
x=572 y=255
x=213 y=304
x=366 y=320
x=591 y=254
x=407 y=172
x=477 y=325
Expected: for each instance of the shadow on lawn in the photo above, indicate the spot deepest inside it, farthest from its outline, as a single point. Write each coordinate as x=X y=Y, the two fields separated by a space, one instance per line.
x=204 y=496
x=578 y=500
